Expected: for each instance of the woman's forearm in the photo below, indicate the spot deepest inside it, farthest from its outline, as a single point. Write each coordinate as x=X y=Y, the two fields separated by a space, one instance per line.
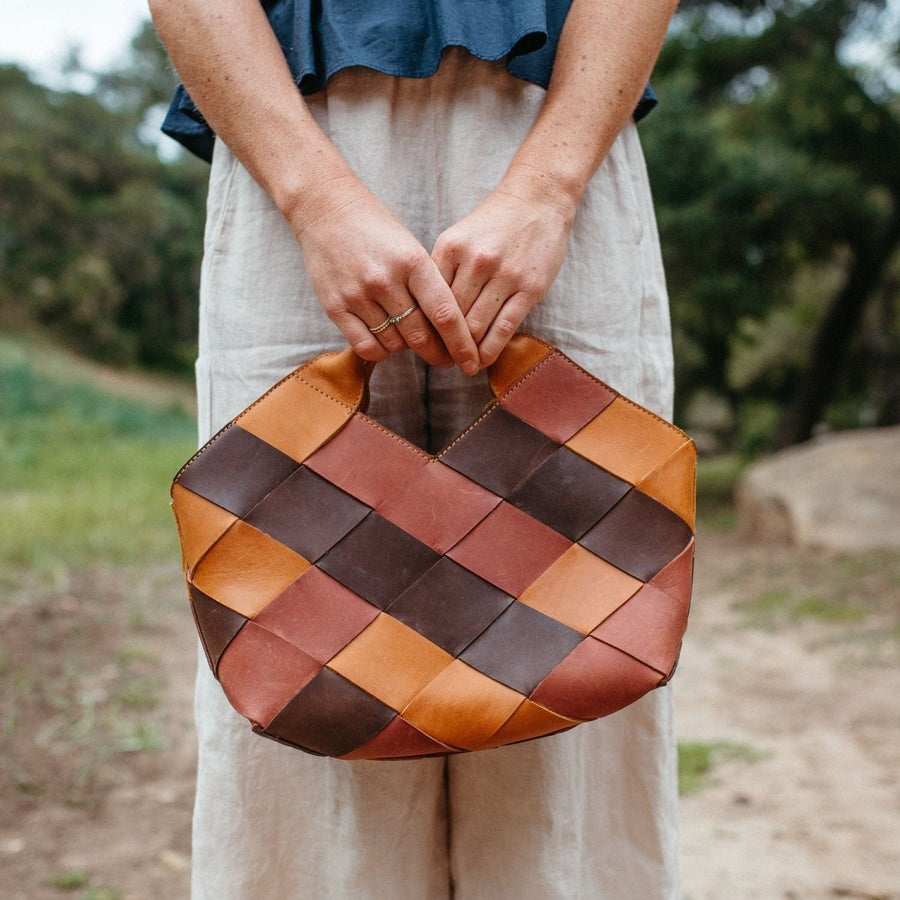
x=232 y=66
x=606 y=53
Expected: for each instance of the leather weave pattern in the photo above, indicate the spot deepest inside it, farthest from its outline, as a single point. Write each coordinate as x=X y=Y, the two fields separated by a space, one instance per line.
x=359 y=598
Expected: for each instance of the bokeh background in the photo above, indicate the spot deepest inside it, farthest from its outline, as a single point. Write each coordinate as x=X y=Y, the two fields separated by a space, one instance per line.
x=775 y=160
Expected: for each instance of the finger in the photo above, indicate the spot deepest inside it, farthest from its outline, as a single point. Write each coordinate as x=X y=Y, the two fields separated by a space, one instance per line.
x=486 y=307
x=504 y=326
x=377 y=319
x=364 y=343
x=445 y=261
x=436 y=300
x=419 y=335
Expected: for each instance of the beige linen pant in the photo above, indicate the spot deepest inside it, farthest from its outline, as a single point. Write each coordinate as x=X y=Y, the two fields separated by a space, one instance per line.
x=587 y=814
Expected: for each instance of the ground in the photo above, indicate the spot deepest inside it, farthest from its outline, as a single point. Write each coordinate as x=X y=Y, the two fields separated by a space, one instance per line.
x=786 y=704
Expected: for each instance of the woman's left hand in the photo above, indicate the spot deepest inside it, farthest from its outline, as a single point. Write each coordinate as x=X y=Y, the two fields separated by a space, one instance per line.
x=502 y=257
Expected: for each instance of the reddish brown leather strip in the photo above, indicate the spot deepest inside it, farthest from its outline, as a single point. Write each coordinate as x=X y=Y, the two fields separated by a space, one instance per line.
x=648 y=627
x=367 y=461
x=593 y=681
x=438 y=505
x=260 y=672
x=509 y=549
x=558 y=398
x=317 y=614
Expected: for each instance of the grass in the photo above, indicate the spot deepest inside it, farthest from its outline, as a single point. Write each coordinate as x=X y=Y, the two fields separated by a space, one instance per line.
x=88 y=552
x=832 y=590
x=697 y=760
x=85 y=475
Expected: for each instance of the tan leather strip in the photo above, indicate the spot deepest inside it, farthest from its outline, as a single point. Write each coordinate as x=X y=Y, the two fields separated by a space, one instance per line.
x=528 y=721
x=522 y=354
x=339 y=375
x=622 y=440
x=674 y=483
x=296 y=418
x=200 y=524
x=247 y=569
x=462 y=707
x=580 y=590
x=390 y=661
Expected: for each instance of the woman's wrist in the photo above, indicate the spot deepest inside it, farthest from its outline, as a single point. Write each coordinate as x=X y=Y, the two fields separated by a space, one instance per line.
x=543 y=186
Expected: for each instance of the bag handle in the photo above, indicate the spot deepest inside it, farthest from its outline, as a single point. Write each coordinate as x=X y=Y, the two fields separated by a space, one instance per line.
x=345 y=376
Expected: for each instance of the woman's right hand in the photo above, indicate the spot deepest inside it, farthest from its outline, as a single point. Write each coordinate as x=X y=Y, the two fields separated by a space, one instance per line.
x=365 y=265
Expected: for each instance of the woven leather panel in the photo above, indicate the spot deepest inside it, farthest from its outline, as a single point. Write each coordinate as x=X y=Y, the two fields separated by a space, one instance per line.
x=359 y=598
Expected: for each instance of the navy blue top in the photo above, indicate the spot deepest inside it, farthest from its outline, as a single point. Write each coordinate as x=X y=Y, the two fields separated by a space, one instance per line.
x=397 y=37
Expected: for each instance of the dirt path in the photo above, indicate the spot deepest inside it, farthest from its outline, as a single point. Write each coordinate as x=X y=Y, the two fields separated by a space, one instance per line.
x=809 y=805
x=802 y=711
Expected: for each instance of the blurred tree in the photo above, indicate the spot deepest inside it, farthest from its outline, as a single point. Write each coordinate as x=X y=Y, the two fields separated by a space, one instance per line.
x=776 y=169
x=99 y=238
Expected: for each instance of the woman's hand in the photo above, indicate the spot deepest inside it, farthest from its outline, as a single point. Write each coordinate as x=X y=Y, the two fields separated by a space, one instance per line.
x=501 y=259
x=365 y=266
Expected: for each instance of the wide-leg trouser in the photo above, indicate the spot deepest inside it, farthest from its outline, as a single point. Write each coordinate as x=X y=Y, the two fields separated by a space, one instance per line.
x=587 y=814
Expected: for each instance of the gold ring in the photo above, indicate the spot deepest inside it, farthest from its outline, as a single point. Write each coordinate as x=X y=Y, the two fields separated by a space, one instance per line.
x=393 y=320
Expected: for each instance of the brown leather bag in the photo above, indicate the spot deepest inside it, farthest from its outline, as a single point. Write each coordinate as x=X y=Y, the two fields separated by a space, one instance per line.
x=359 y=598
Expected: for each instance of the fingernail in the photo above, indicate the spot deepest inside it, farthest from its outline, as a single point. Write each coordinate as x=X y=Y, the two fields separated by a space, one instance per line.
x=470 y=368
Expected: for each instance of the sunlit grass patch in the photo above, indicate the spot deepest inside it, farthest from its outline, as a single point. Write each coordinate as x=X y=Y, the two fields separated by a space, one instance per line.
x=696 y=761
x=826 y=588
x=85 y=476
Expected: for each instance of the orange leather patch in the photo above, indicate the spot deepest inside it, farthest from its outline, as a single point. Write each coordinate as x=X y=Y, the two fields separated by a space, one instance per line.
x=339 y=375
x=462 y=707
x=580 y=589
x=296 y=418
x=528 y=721
x=618 y=440
x=247 y=569
x=390 y=661
x=522 y=353
x=674 y=483
x=200 y=524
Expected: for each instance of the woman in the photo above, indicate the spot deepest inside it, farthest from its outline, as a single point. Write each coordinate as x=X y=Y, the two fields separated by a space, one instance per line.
x=432 y=214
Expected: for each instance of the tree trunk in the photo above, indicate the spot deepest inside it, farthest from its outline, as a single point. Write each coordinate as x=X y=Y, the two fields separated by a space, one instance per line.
x=841 y=323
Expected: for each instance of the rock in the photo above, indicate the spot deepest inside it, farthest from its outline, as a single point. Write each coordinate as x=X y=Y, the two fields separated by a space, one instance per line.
x=838 y=492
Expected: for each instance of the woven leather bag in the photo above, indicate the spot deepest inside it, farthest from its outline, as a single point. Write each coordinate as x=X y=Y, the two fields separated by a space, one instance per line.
x=359 y=598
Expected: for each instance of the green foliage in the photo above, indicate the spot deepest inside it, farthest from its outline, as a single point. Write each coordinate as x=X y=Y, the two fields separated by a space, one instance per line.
x=85 y=475
x=774 y=165
x=100 y=240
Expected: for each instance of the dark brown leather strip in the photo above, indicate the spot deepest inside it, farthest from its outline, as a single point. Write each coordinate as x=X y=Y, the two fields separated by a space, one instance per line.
x=450 y=606
x=307 y=513
x=330 y=716
x=569 y=494
x=237 y=470
x=521 y=647
x=639 y=535
x=499 y=451
x=216 y=624
x=378 y=560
